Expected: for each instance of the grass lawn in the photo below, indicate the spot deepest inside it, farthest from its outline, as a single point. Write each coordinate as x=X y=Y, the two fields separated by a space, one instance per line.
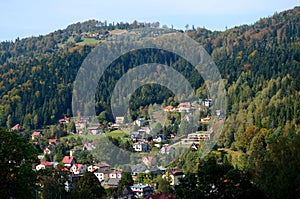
x=88 y=41
x=88 y=137
x=117 y=134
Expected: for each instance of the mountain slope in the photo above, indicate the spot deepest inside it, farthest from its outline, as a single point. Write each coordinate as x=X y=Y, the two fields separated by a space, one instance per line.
x=258 y=62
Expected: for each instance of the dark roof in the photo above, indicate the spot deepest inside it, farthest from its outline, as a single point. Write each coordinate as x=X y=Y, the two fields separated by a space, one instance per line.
x=138 y=168
x=113 y=182
x=127 y=190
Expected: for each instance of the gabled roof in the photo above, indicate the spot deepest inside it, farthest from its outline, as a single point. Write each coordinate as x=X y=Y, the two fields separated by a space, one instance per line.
x=138 y=168
x=52 y=141
x=113 y=182
x=147 y=158
x=36 y=134
x=102 y=164
x=46 y=163
x=103 y=170
x=185 y=105
x=77 y=166
x=68 y=159
x=17 y=127
x=116 y=172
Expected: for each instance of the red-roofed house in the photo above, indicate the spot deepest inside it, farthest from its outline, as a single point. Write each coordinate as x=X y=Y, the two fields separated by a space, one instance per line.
x=68 y=161
x=78 y=169
x=169 y=108
x=43 y=165
x=17 y=127
x=147 y=160
x=52 y=141
x=35 y=134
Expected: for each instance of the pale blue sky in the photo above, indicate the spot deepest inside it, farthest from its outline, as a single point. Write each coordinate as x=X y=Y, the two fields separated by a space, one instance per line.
x=21 y=18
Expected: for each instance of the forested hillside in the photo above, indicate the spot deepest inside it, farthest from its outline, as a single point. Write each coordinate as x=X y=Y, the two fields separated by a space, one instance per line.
x=260 y=65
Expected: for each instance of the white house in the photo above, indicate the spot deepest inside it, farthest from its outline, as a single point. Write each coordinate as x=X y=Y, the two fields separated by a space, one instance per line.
x=78 y=169
x=95 y=130
x=140 y=146
x=115 y=174
x=141 y=190
x=102 y=174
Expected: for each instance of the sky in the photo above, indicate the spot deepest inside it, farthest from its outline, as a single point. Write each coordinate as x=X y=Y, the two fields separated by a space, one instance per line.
x=21 y=18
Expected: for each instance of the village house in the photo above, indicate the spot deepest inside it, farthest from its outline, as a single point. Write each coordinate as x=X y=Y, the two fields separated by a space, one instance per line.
x=102 y=174
x=173 y=175
x=140 y=146
x=185 y=107
x=141 y=190
x=36 y=135
x=207 y=102
x=198 y=136
x=52 y=141
x=17 y=127
x=116 y=126
x=95 y=130
x=112 y=182
x=68 y=161
x=169 y=109
x=78 y=169
x=135 y=136
x=81 y=125
x=159 y=138
x=119 y=120
x=44 y=165
x=138 y=168
x=100 y=165
x=115 y=174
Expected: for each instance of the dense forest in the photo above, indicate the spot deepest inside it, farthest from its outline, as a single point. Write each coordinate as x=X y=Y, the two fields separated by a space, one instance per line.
x=259 y=63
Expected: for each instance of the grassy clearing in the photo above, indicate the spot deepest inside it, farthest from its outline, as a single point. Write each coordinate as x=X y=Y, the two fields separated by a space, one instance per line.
x=117 y=134
x=88 y=41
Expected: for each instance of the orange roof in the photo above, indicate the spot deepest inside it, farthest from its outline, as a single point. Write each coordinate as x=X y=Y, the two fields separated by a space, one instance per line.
x=148 y=158
x=185 y=104
x=35 y=134
x=54 y=141
x=77 y=166
x=17 y=127
x=68 y=159
x=46 y=163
